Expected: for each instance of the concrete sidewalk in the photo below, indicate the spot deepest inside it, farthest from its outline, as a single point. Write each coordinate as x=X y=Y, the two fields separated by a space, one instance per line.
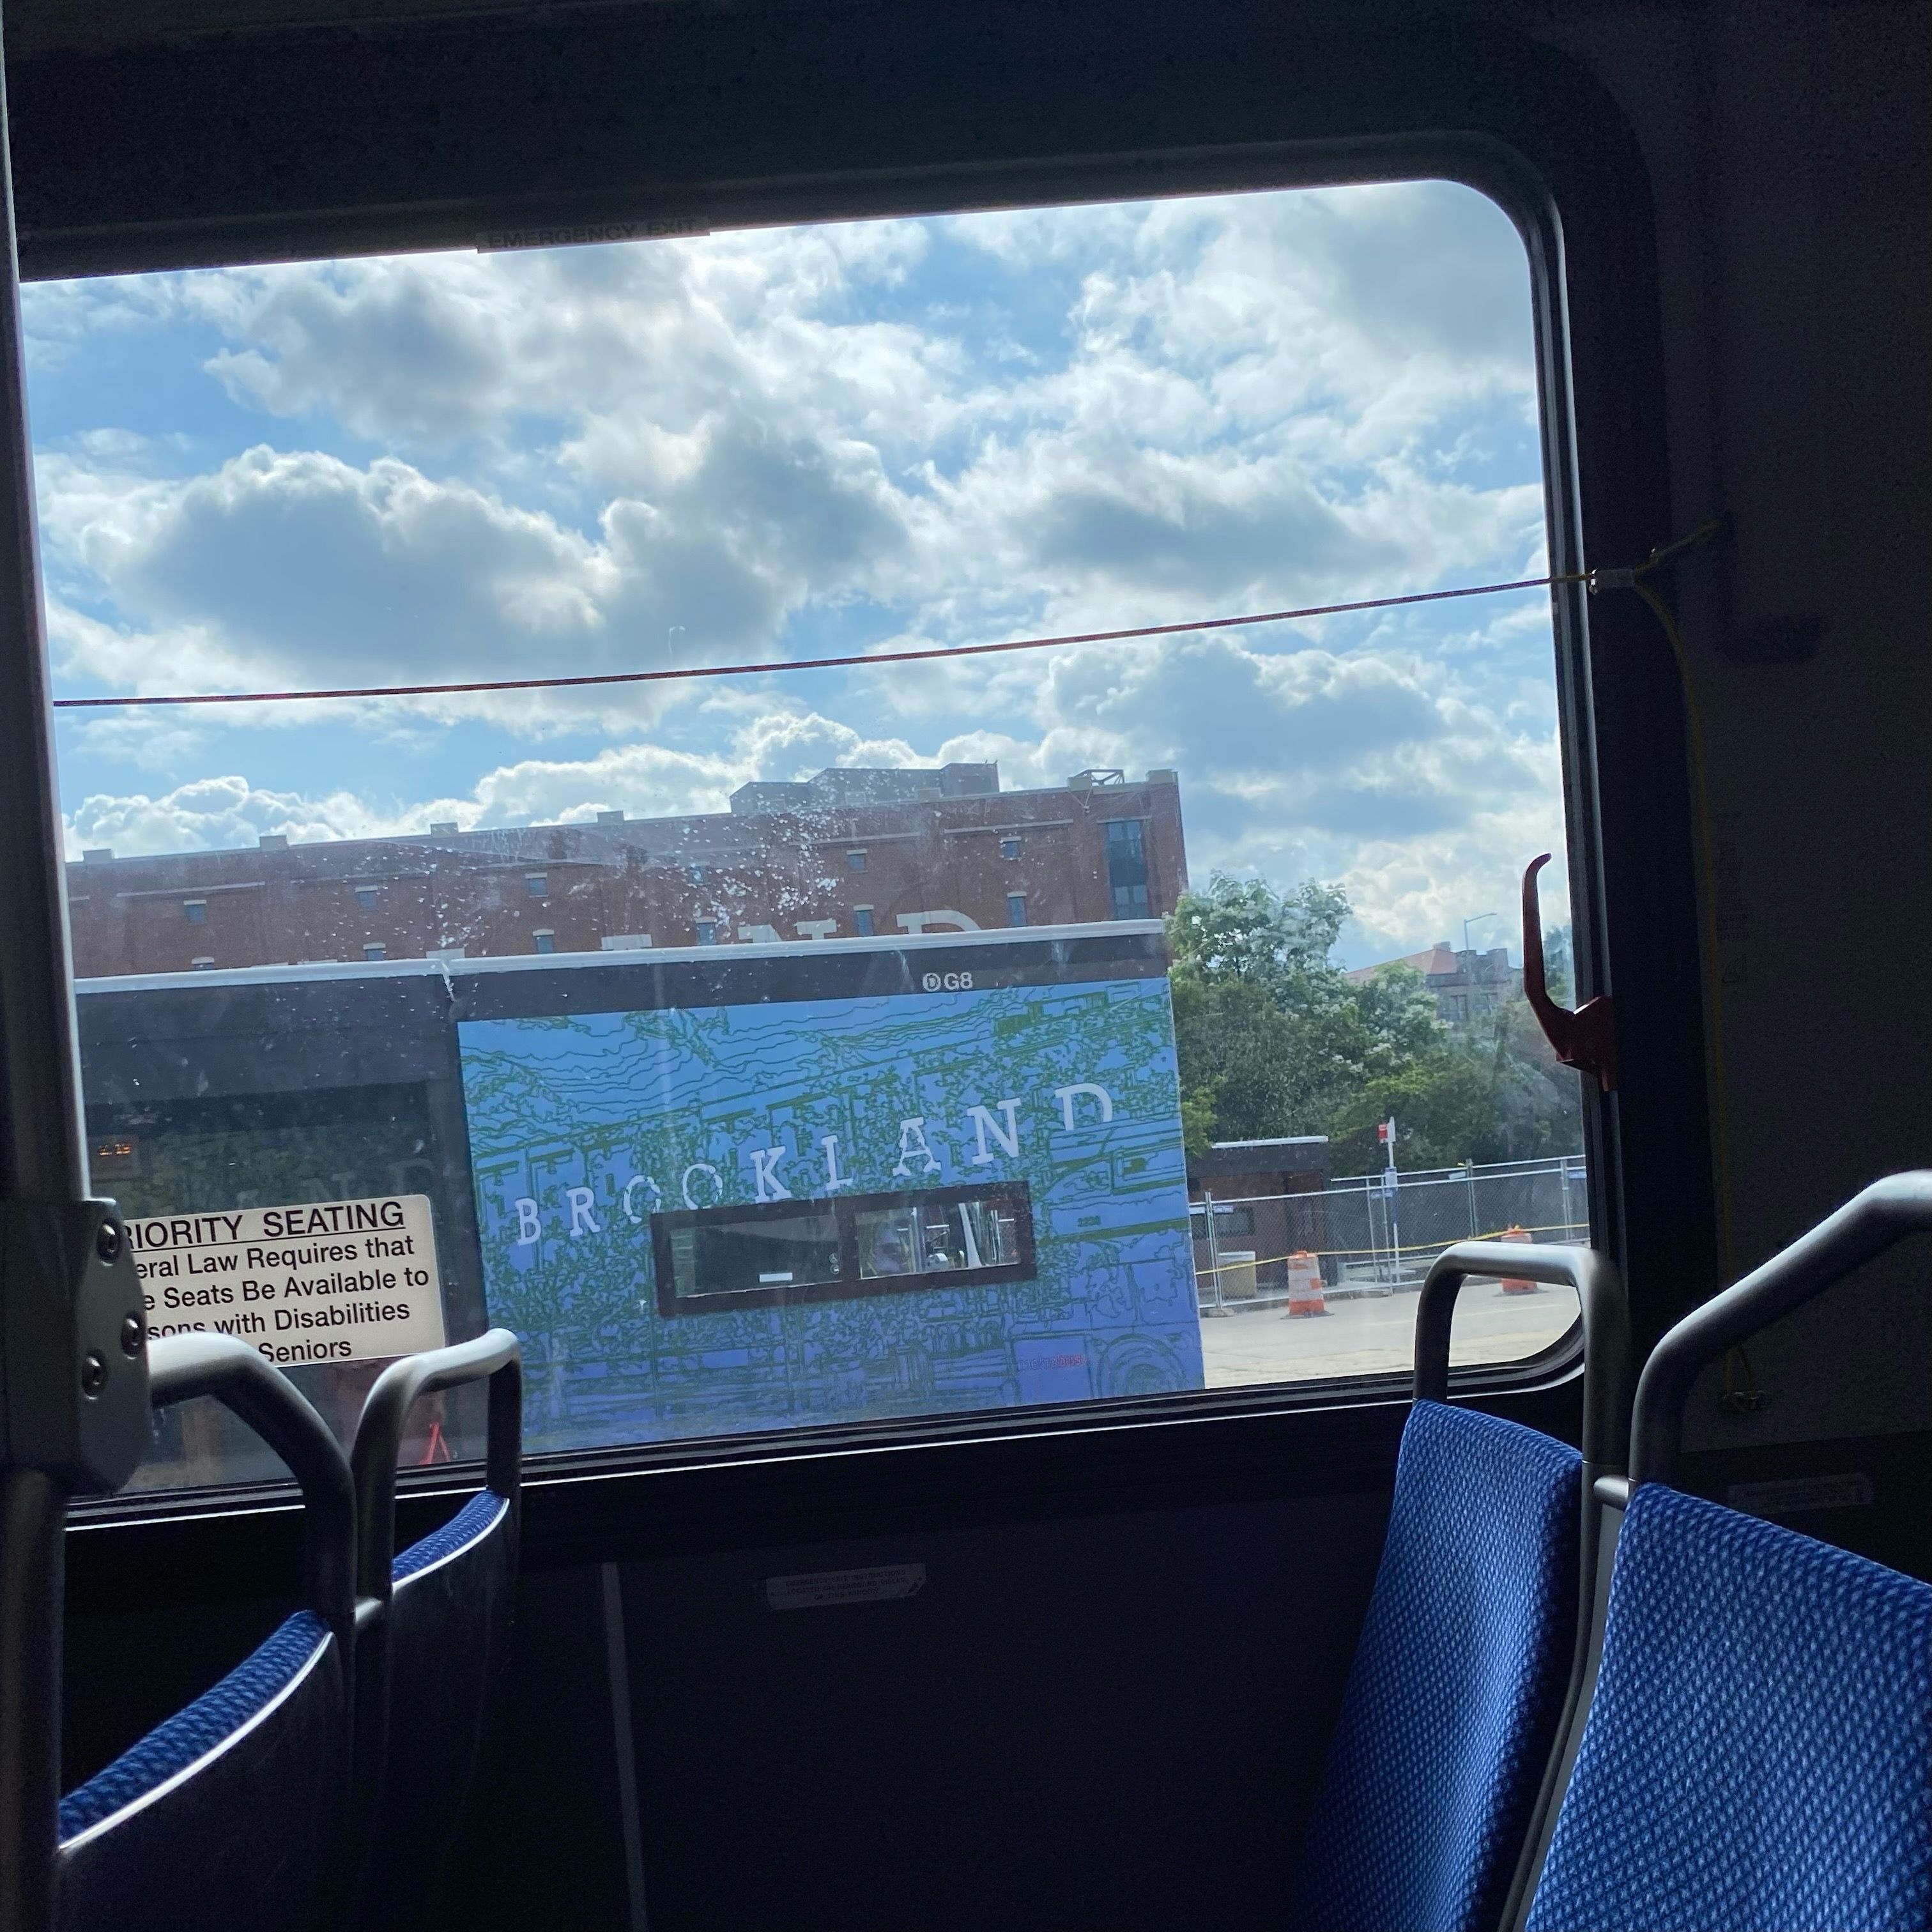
x=1374 y=1336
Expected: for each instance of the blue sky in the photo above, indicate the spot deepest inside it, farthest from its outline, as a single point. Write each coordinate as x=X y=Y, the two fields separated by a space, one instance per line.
x=792 y=442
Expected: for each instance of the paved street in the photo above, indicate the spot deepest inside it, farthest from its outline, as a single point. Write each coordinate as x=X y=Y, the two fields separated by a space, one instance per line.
x=1364 y=1337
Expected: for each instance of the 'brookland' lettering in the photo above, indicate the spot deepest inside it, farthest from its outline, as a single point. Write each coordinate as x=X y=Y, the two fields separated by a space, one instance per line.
x=992 y=1131
x=370 y=1284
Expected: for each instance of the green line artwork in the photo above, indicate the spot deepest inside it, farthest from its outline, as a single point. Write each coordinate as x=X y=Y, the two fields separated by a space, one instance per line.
x=762 y=1215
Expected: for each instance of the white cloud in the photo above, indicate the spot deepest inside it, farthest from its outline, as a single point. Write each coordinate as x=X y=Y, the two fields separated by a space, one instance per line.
x=643 y=781
x=831 y=439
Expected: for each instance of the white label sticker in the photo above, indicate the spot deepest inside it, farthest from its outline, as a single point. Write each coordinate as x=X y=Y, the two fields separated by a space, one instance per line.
x=822 y=1589
x=328 y=1281
x=1794 y=1494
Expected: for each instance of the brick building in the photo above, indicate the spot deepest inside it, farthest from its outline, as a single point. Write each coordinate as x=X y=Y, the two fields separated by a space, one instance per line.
x=845 y=853
x=1467 y=984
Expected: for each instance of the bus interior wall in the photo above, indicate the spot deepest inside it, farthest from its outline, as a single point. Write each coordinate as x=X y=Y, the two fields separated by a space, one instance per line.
x=1104 y=1705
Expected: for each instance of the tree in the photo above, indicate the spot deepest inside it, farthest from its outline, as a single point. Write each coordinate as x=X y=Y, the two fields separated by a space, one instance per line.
x=1274 y=1039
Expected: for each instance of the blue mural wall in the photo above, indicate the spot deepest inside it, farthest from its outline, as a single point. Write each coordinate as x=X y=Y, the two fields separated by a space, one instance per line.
x=582 y=1127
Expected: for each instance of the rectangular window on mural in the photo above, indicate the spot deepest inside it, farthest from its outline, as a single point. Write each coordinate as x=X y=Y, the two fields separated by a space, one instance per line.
x=734 y=1149
x=778 y=1252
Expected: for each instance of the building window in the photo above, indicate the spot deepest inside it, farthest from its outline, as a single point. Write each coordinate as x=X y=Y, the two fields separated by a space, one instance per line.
x=699 y=873
x=861 y=921
x=537 y=884
x=365 y=897
x=546 y=940
x=375 y=949
x=1009 y=848
x=855 y=862
x=707 y=932
x=1127 y=869
x=197 y=911
x=1016 y=908
x=204 y=965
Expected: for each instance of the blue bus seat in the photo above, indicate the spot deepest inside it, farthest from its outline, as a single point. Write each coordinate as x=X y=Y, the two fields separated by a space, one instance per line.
x=436 y=1641
x=1442 y=1763
x=1758 y=1752
x=1754 y=1751
x=1457 y=1686
x=230 y=1813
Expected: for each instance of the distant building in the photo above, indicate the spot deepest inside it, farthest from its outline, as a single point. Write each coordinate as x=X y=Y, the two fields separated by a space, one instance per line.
x=845 y=854
x=1467 y=985
x=1263 y=1202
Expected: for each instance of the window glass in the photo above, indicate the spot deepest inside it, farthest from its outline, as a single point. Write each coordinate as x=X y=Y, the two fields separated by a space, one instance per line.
x=933 y=1029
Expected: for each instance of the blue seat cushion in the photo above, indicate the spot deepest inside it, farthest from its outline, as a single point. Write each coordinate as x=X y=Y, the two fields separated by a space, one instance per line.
x=1758 y=1756
x=1457 y=1684
x=476 y=1518
x=199 y=1728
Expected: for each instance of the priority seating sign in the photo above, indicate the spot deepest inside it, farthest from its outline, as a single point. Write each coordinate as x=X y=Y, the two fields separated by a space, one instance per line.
x=324 y=1281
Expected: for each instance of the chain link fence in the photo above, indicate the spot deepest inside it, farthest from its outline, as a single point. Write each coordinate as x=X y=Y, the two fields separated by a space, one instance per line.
x=1369 y=1238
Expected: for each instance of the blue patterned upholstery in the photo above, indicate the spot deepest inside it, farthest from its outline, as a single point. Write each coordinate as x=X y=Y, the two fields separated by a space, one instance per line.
x=478 y=1515
x=194 y=1731
x=1758 y=1752
x=1452 y=1701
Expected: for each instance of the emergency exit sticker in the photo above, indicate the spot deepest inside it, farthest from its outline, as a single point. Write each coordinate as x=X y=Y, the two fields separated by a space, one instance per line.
x=328 y=1281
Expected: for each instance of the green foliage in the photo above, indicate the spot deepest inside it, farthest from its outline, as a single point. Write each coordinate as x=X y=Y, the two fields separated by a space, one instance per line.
x=1275 y=1040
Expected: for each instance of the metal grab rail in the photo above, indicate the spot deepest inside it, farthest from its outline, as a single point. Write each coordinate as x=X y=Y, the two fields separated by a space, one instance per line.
x=180 y=1367
x=379 y=1435
x=1606 y=1316
x=1872 y=1221
x=1605 y=1444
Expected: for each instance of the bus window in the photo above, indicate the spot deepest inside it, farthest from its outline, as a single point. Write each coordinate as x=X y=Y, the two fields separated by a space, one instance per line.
x=1025 y=918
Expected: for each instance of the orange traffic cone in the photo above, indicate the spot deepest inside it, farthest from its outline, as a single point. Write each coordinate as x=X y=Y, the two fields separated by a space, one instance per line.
x=1304 y=1285
x=1512 y=1284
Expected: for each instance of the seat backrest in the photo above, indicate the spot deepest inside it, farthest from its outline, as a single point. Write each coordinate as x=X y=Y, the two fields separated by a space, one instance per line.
x=1458 y=1683
x=231 y=1812
x=448 y=1640
x=227 y=1814
x=1758 y=1754
x=432 y=1655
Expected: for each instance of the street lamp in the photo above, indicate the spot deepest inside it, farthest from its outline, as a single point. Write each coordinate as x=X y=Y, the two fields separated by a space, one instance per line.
x=1477 y=921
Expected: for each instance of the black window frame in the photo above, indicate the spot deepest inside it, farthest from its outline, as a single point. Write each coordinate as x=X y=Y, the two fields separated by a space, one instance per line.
x=1076 y=103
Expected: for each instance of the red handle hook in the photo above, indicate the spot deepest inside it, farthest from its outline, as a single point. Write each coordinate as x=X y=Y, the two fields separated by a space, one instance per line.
x=1586 y=1039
